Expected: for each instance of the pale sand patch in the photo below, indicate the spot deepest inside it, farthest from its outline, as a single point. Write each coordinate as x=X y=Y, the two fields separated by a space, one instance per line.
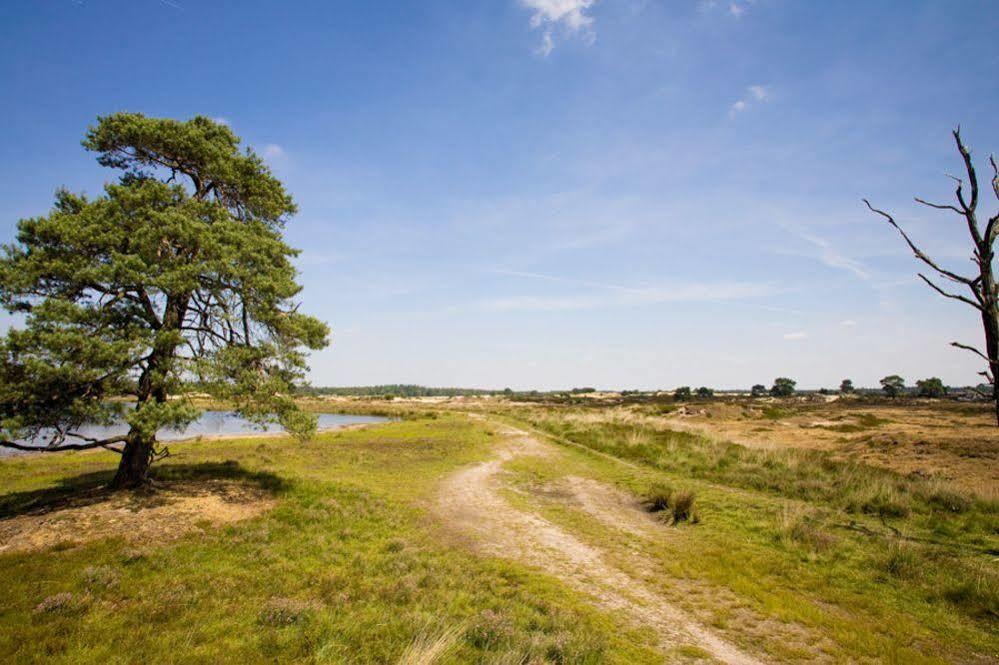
x=166 y=513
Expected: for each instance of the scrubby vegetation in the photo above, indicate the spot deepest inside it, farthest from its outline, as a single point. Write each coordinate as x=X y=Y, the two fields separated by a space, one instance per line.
x=880 y=530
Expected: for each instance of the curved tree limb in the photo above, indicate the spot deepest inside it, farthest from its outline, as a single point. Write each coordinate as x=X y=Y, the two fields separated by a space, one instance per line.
x=88 y=444
x=975 y=351
x=946 y=294
x=939 y=206
x=918 y=252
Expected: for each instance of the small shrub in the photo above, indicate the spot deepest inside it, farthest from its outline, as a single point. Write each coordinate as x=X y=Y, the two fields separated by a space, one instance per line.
x=774 y=413
x=59 y=602
x=871 y=420
x=657 y=498
x=948 y=501
x=395 y=545
x=977 y=595
x=794 y=525
x=902 y=560
x=681 y=506
x=99 y=577
x=279 y=612
x=133 y=555
x=491 y=628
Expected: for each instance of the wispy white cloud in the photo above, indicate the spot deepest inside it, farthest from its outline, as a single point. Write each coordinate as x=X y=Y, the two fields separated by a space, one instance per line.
x=273 y=151
x=613 y=295
x=793 y=336
x=569 y=16
x=848 y=323
x=563 y=280
x=754 y=95
x=733 y=9
x=828 y=254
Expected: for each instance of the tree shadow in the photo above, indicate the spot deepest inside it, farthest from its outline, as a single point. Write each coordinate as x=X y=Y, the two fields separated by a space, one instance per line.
x=91 y=488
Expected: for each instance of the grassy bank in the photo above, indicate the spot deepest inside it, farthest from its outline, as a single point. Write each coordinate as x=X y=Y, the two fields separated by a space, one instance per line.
x=346 y=565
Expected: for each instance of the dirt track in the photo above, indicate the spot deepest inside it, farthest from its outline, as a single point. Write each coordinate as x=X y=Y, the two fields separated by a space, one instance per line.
x=471 y=502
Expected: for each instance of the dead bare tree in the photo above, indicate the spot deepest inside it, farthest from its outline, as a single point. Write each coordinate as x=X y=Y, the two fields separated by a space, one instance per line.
x=984 y=296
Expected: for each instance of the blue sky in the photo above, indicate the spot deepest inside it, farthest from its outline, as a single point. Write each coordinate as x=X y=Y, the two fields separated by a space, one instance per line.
x=553 y=193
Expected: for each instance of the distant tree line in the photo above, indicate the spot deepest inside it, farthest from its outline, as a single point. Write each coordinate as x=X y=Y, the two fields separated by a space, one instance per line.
x=396 y=390
x=891 y=386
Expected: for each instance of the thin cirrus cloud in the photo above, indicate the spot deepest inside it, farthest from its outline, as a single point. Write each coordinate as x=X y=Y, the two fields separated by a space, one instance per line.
x=613 y=295
x=734 y=9
x=827 y=254
x=755 y=95
x=273 y=151
x=568 y=16
x=794 y=336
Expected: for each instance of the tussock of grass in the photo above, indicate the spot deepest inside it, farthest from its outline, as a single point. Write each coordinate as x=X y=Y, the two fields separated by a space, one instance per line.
x=657 y=498
x=678 y=504
x=795 y=524
x=429 y=648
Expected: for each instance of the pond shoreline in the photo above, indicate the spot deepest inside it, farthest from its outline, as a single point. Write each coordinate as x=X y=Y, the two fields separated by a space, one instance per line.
x=280 y=433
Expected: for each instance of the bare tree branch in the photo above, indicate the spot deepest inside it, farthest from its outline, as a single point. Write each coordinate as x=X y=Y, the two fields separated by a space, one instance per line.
x=975 y=351
x=918 y=252
x=940 y=206
x=972 y=177
x=945 y=294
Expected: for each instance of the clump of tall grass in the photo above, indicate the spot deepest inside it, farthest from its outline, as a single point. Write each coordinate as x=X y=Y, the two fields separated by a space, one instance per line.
x=99 y=578
x=678 y=505
x=428 y=647
x=795 y=525
x=903 y=560
x=976 y=592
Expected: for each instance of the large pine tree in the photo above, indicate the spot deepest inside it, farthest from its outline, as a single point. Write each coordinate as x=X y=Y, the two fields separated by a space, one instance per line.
x=178 y=273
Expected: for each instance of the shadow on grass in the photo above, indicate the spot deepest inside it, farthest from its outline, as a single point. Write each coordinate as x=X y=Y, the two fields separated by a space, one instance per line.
x=90 y=488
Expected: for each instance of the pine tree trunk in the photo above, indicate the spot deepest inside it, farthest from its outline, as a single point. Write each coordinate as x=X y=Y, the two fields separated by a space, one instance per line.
x=133 y=470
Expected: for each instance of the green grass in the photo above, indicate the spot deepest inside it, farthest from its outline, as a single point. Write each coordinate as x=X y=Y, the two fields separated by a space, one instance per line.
x=808 y=475
x=792 y=554
x=349 y=566
x=802 y=539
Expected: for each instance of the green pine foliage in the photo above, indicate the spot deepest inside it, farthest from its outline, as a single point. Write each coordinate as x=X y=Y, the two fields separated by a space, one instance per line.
x=178 y=272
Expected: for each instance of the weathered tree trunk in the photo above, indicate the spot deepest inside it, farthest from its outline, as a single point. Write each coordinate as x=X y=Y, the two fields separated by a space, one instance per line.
x=990 y=321
x=133 y=470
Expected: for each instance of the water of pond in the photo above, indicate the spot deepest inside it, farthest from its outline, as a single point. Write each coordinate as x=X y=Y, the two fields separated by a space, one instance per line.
x=220 y=423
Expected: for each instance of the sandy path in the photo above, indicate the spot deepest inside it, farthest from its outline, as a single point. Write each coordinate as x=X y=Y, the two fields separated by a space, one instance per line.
x=470 y=501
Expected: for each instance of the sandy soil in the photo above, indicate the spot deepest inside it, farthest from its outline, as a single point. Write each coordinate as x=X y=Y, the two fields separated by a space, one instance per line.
x=169 y=512
x=471 y=501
